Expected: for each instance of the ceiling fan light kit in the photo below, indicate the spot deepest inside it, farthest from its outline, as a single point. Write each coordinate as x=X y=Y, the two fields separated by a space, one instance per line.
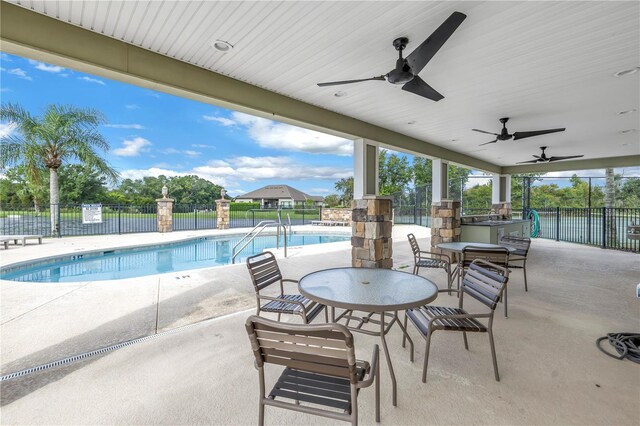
x=407 y=69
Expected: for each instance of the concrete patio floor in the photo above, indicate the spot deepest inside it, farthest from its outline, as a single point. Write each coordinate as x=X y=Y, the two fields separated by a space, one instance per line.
x=551 y=371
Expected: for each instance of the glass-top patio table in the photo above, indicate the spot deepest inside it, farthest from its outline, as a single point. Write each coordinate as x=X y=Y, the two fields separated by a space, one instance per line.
x=375 y=291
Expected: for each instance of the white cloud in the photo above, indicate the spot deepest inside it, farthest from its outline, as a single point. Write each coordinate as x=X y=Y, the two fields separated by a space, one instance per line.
x=152 y=94
x=125 y=126
x=7 y=129
x=232 y=171
x=201 y=145
x=475 y=180
x=227 y=122
x=270 y=134
x=45 y=67
x=187 y=152
x=132 y=106
x=321 y=191
x=4 y=57
x=19 y=72
x=133 y=147
x=92 y=80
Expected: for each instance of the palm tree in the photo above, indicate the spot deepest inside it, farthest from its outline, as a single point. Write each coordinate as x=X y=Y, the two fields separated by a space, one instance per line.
x=63 y=133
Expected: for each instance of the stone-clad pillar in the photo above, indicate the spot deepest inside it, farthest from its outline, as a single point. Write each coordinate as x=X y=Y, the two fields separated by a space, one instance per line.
x=371 y=242
x=165 y=212
x=222 y=211
x=445 y=223
x=501 y=196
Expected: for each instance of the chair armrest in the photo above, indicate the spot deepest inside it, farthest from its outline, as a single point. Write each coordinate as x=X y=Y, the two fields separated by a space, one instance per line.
x=373 y=366
x=448 y=259
x=286 y=280
x=453 y=290
x=295 y=302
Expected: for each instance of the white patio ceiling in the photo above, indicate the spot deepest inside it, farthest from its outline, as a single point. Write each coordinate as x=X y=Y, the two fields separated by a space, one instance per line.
x=544 y=64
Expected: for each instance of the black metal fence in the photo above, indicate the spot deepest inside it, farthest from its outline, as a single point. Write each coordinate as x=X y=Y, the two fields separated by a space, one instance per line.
x=123 y=219
x=603 y=227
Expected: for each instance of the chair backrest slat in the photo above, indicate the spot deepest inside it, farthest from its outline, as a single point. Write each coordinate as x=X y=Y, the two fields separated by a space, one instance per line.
x=498 y=256
x=264 y=270
x=521 y=244
x=415 y=248
x=324 y=348
x=485 y=281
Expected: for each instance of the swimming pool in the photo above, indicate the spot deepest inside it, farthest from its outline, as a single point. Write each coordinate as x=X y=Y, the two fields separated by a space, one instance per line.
x=149 y=260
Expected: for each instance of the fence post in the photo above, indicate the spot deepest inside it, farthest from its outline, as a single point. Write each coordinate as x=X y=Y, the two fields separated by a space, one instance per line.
x=119 y=222
x=195 y=212
x=604 y=227
x=303 y=210
x=557 y=223
x=59 y=221
x=253 y=218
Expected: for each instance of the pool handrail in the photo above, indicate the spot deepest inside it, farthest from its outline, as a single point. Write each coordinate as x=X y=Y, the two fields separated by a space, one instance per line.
x=251 y=236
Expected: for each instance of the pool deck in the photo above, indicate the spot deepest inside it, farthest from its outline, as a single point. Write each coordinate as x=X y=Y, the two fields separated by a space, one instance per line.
x=551 y=371
x=43 y=322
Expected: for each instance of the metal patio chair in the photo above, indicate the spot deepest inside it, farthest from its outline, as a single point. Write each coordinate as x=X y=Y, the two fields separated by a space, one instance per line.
x=320 y=368
x=522 y=245
x=496 y=256
x=485 y=282
x=437 y=260
x=264 y=272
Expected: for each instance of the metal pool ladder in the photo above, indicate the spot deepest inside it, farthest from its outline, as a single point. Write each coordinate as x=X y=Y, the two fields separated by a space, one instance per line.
x=251 y=235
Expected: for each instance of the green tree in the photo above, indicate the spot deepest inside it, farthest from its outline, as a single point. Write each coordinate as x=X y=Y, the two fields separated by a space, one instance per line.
x=458 y=176
x=345 y=187
x=394 y=174
x=61 y=134
x=332 y=200
x=20 y=190
x=80 y=184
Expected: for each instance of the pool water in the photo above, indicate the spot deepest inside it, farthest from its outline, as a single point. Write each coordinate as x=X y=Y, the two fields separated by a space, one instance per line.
x=158 y=259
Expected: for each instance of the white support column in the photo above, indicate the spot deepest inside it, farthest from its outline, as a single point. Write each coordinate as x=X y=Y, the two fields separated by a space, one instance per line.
x=439 y=180
x=495 y=189
x=505 y=186
x=365 y=168
x=500 y=189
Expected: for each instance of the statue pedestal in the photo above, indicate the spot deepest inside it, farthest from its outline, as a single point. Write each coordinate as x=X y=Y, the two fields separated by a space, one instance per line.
x=222 y=213
x=165 y=214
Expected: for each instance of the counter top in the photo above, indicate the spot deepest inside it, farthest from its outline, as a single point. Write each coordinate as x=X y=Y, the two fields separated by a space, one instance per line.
x=495 y=222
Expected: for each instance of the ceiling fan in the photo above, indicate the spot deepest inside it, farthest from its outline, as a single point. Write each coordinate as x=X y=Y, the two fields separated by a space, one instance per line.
x=504 y=135
x=407 y=69
x=544 y=159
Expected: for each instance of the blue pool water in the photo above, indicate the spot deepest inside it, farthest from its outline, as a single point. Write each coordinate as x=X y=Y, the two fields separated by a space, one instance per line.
x=141 y=261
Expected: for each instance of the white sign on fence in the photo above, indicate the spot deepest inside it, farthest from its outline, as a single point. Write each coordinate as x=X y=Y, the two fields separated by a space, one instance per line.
x=91 y=213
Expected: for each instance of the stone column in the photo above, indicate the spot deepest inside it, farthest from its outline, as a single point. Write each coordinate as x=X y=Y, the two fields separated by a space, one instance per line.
x=371 y=242
x=165 y=214
x=445 y=223
x=222 y=211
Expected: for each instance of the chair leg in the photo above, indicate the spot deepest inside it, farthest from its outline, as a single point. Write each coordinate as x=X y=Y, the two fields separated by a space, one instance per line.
x=524 y=271
x=464 y=337
x=279 y=317
x=448 y=269
x=493 y=355
x=326 y=314
x=505 y=302
x=426 y=358
x=261 y=414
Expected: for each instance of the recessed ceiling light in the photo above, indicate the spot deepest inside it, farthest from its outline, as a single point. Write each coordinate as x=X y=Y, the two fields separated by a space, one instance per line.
x=628 y=131
x=340 y=94
x=222 y=46
x=628 y=111
x=625 y=144
x=455 y=140
x=628 y=71
x=411 y=122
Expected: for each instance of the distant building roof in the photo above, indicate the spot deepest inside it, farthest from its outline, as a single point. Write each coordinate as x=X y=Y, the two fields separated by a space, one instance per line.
x=279 y=192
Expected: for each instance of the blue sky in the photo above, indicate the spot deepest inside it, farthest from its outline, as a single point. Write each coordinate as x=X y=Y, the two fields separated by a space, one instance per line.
x=153 y=133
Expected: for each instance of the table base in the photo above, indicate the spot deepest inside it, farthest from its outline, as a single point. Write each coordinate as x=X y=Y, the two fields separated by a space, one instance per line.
x=384 y=329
